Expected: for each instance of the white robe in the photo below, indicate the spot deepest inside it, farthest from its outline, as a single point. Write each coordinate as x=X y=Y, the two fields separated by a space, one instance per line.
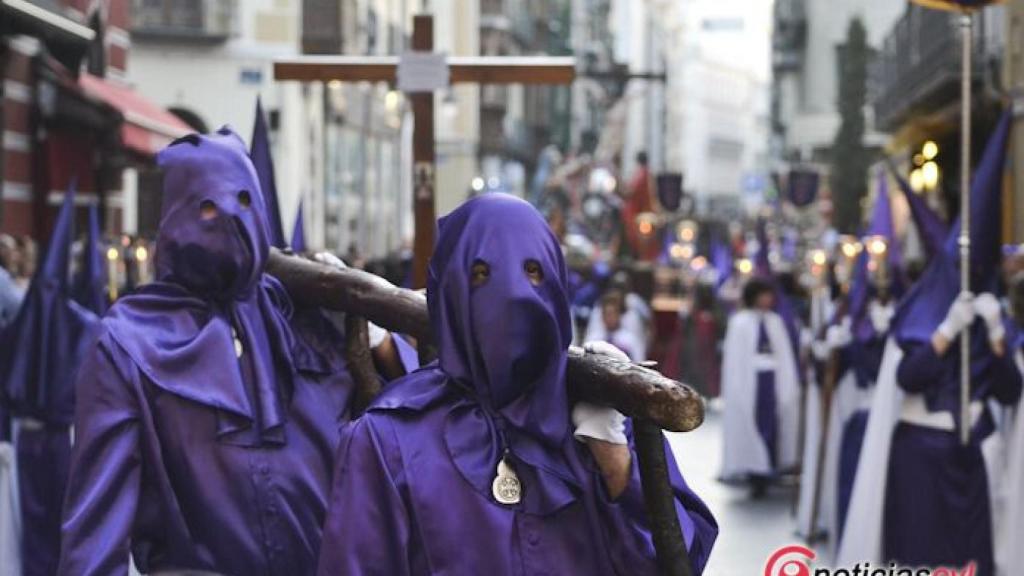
x=862 y=535
x=1009 y=532
x=10 y=517
x=846 y=400
x=744 y=451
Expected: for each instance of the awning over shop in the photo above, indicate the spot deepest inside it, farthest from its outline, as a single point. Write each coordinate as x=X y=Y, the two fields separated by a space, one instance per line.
x=147 y=127
x=66 y=39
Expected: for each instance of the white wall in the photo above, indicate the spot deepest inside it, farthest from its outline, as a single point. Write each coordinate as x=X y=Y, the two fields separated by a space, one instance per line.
x=718 y=101
x=810 y=96
x=220 y=83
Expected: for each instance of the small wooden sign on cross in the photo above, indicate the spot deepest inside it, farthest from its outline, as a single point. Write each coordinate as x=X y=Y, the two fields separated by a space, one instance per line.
x=471 y=69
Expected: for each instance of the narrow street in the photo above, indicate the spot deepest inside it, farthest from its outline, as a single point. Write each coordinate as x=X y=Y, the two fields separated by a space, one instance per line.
x=750 y=530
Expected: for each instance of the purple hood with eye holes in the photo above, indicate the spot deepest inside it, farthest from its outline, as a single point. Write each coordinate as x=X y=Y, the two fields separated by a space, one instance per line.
x=181 y=331
x=502 y=350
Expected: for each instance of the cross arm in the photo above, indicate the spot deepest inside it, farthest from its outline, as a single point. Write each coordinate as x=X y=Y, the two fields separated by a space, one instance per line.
x=464 y=69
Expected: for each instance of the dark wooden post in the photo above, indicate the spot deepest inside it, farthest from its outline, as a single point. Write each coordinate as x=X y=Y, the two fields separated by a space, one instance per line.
x=424 y=179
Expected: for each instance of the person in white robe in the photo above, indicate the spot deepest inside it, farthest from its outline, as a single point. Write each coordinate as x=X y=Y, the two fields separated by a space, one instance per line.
x=760 y=392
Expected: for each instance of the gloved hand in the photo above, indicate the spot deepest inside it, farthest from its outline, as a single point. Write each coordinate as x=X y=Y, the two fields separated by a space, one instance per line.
x=838 y=336
x=600 y=422
x=881 y=316
x=820 y=350
x=960 y=316
x=988 y=308
x=376 y=333
x=330 y=260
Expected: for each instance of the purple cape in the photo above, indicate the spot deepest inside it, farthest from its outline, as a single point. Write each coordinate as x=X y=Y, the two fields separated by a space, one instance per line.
x=412 y=491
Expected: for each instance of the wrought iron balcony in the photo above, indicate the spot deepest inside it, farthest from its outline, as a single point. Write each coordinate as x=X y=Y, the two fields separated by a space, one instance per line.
x=203 y=20
x=919 y=66
x=790 y=36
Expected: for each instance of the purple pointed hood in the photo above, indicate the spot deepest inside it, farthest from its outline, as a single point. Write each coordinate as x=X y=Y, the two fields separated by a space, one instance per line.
x=721 y=258
x=505 y=341
x=926 y=304
x=263 y=162
x=181 y=331
x=41 y=350
x=90 y=288
x=929 y=225
x=881 y=224
x=299 y=232
x=502 y=348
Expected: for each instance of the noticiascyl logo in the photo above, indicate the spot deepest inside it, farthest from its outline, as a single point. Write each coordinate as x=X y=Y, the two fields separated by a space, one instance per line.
x=790 y=561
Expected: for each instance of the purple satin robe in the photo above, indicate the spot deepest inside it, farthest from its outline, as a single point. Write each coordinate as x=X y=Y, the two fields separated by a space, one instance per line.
x=205 y=431
x=937 y=507
x=399 y=507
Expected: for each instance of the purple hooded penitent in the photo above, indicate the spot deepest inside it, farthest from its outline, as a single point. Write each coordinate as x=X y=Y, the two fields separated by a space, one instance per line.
x=861 y=291
x=937 y=492
x=90 y=286
x=205 y=434
x=40 y=352
x=413 y=487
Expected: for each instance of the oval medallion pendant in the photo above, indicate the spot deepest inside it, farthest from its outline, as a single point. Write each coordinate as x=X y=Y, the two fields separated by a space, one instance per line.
x=239 y=348
x=506 y=487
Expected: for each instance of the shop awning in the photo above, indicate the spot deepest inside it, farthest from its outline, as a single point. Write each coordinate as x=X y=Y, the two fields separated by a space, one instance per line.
x=147 y=127
x=66 y=39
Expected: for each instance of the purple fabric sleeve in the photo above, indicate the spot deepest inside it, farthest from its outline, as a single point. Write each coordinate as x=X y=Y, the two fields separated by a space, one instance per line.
x=629 y=518
x=366 y=539
x=920 y=367
x=101 y=501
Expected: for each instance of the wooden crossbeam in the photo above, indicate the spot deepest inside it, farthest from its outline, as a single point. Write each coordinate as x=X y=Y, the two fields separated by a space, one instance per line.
x=531 y=70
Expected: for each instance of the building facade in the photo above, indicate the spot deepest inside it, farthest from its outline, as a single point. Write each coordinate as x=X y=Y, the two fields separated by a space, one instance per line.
x=718 y=104
x=340 y=148
x=518 y=122
x=69 y=117
x=805 y=63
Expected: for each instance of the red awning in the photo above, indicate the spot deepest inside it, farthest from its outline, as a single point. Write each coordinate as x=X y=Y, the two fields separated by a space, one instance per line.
x=147 y=127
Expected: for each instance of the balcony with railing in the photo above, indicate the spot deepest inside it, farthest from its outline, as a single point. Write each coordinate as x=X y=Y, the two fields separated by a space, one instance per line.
x=790 y=36
x=195 y=20
x=919 y=67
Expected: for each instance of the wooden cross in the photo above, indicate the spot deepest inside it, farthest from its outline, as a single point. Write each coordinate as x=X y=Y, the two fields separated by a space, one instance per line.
x=473 y=69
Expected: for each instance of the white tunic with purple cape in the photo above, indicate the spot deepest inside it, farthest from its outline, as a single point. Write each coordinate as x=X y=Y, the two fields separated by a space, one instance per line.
x=745 y=451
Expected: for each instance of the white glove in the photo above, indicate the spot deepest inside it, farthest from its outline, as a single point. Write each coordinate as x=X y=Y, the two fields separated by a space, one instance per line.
x=330 y=260
x=338 y=318
x=988 y=308
x=376 y=333
x=600 y=422
x=820 y=350
x=960 y=316
x=881 y=316
x=838 y=336
x=606 y=349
